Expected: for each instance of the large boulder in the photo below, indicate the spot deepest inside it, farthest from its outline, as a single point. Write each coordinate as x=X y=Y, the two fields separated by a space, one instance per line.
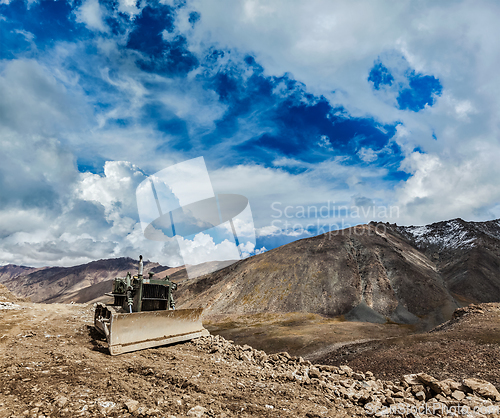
x=482 y=388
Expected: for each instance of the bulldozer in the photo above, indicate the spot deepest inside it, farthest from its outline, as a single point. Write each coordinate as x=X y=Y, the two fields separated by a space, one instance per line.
x=143 y=315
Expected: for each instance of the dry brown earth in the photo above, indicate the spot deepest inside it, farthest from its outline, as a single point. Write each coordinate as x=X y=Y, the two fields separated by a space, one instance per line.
x=467 y=346
x=52 y=364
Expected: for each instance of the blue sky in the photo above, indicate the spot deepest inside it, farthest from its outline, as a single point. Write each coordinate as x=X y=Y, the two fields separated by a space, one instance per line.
x=292 y=104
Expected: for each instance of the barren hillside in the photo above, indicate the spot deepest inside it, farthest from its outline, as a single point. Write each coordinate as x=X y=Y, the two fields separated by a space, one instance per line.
x=363 y=273
x=376 y=273
x=64 y=284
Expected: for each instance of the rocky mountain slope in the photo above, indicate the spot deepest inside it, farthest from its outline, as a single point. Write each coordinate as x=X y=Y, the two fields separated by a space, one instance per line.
x=364 y=273
x=466 y=254
x=11 y=271
x=63 y=284
x=370 y=272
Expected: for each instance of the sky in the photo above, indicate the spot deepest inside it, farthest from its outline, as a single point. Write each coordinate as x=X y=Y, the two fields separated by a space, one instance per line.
x=323 y=114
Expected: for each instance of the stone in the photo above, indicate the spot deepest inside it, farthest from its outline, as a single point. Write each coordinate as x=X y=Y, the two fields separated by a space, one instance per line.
x=458 y=395
x=197 y=411
x=358 y=376
x=426 y=379
x=434 y=384
x=440 y=398
x=452 y=384
x=346 y=369
x=420 y=396
x=331 y=369
x=365 y=398
x=417 y=388
x=482 y=388
x=61 y=401
x=132 y=406
x=141 y=410
x=314 y=373
x=106 y=406
x=411 y=379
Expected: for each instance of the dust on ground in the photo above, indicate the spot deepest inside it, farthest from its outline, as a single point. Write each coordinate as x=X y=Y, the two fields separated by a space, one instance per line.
x=54 y=364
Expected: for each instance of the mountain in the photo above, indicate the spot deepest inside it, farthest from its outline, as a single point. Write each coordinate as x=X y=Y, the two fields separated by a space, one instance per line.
x=364 y=273
x=466 y=254
x=374 y=272
x=11 y=271
x=62 y=284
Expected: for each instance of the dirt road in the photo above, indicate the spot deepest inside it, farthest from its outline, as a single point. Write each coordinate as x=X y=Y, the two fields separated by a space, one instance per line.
x=52 y=364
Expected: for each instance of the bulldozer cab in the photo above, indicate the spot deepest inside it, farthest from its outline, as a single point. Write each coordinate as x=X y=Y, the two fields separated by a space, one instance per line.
x=139 y=294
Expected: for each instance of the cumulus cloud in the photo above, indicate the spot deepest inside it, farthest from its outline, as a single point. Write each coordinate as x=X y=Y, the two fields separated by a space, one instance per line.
x=290 y=103
x=441 y=188
x=367 y=155
x=91 y=14
x=130 y=7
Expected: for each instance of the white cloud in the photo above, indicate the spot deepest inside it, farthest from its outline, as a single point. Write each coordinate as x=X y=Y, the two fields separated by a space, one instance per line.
x=442 y=189
x=51 y=213
x=270 y=191
x=331 y=46
x=324 y=142
x=367 y=155
x=129 y=7
x=91 y=14
x=115 y=190
x=35 y=101
x=203 y=249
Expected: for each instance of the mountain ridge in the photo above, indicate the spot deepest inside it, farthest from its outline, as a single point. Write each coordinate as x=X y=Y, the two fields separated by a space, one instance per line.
x=62 y=284
x=356 y=274
x=376 y=272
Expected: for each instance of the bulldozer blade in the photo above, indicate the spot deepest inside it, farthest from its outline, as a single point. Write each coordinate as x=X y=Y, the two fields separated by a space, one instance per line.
x=126 y=332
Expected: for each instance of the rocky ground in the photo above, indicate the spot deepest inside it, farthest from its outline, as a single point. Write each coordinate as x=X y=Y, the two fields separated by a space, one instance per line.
x=466 y=346
x=53 y=364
